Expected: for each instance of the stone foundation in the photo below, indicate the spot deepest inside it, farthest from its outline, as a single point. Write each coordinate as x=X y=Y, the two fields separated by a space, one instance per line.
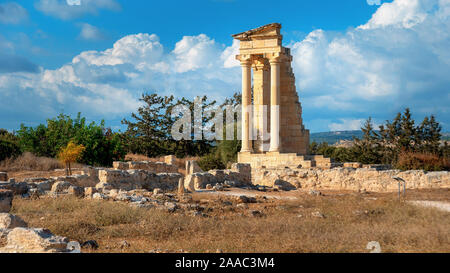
x=137 y=179
x=350 y=179
x=239 y=174
x=281 y=160
x=156 y=167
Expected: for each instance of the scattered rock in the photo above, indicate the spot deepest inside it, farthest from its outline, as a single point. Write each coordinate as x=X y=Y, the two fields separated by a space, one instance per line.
x=61 y=187
x=9 y=221
x=92 y=244
x=318 y=214
x=256 y=213
x=4 y=233
x=34 y=240
x=76 y=191
x=246 y=199
x=171 y=207
x=157 y=191
x=315 y=193
x=99 y=196
x=89 y=191
x=124 y=244
x=35 y=193
x=242 y=206
x=199 y=214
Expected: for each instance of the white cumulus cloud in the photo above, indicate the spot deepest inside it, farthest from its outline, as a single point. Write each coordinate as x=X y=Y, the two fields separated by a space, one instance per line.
x=90 y=32
x=398 y=59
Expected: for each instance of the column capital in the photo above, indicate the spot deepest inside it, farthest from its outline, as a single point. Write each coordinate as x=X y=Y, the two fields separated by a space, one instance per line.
x=246 y=60
x=261 y=64
x=276 y=58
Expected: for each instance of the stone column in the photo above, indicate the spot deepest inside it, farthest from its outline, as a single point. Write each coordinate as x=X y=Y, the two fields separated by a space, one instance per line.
x=275 y=105
x=246 y=103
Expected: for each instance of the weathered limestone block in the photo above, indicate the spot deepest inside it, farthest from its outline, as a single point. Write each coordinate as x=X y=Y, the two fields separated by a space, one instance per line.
x=3 y=176
x=355 y=165
x=137 y=179
x=170 y=159
x=119 y=165
x=20 y=188
x=76 y=191
x=61 y=187
x=36 y=179
x=44 y=186
x=89 y=191
x=198 y=181
x=167 y=181
x=157 y=167
x=34 y=240
x=6 y=185
x=192 y=167
x=92 y=173
x=101 y=186
x=81 y=180
x=6 y=198
x=351 y=179
x=116 y=178
x=9 y=221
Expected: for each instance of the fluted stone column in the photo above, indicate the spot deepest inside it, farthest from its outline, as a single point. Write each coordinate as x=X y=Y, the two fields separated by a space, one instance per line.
x=275 y=105
x=246 y=102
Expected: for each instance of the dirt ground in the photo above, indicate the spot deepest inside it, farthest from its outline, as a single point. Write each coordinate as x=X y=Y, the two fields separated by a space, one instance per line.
x=287 y=222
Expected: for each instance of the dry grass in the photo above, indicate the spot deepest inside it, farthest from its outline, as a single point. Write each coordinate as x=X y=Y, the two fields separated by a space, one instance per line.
x=397 y=226
x=422 y=161
x=28 y=165
x=29 y=162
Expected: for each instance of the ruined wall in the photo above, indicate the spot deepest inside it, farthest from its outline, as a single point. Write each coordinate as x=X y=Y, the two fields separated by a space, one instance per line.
x=350 y=179
x=238 y=174
x=157 y=167
x=137 y=179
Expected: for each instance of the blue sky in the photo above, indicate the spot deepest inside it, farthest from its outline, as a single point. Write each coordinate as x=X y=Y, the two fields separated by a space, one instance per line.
x=353 y=59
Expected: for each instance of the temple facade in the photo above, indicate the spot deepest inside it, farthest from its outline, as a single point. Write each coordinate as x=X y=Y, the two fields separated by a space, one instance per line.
x=273 y=133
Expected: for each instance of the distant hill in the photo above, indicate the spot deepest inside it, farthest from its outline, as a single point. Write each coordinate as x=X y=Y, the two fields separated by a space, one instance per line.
x=446 y=136
x=336 y=136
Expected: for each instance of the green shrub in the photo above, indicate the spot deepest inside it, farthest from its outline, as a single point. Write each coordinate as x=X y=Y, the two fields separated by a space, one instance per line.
x=8 y=149
x=211 y=162
x=102 y=145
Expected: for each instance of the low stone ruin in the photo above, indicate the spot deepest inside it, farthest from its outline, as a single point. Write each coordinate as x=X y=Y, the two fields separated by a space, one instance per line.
x=370 y=179
x=156 y=167
x=239 y=174
x=137 y=179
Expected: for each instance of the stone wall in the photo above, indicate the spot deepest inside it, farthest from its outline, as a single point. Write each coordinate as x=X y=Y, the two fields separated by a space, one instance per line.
x=137 y=179
x=157 y=167
x=350 y=179
x=239 y=174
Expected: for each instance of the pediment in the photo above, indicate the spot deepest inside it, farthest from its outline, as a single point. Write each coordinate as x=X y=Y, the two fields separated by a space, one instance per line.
x=269 y=31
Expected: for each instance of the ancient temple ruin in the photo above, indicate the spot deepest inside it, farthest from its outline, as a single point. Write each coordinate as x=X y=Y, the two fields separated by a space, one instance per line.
x=273 y=133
